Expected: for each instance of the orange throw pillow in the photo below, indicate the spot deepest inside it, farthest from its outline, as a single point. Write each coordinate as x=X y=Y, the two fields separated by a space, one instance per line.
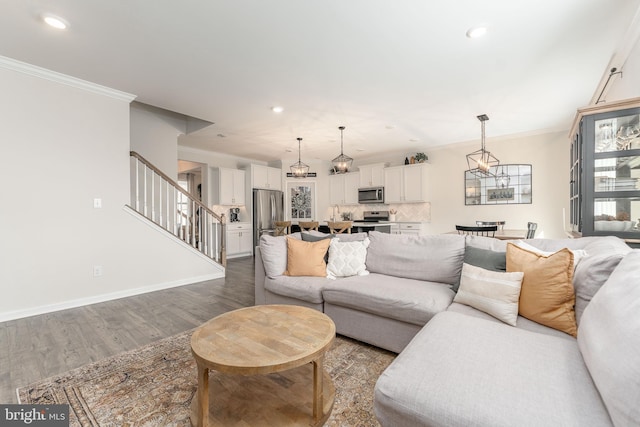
x=547 y=296
x=306 y=258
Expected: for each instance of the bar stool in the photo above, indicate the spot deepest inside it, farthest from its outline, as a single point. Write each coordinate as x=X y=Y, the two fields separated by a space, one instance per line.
x=308 y=225
x=340 y=227
x=282 y=228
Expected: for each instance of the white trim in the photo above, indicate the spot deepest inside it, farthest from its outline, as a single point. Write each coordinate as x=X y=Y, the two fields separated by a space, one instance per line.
x=18 y=314
x=43 y=73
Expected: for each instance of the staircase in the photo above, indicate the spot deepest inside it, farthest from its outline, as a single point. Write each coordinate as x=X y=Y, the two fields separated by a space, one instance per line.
x=161 y=200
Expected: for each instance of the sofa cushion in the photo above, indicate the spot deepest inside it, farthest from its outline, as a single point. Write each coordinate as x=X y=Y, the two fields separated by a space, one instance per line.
x=604 y=255
x=435 y=258
x=407 y=300
x=463 y=371
x=305 y=288
x=494 y=292
x=306 y=258
x=609 y=338
x=347 y=258
x=521 y=323
x=274 y=253
x=547 y=295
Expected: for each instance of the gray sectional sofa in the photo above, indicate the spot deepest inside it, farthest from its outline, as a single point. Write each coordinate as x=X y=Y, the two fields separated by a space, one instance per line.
x=459 y=366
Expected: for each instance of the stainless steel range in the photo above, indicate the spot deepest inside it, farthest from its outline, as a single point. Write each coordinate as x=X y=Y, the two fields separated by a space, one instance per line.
x=373 y=221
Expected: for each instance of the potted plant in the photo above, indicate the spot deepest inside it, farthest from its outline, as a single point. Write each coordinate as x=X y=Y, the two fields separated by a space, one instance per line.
x=421 y=157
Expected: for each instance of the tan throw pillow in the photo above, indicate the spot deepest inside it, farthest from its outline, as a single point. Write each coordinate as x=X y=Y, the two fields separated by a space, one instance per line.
x=494 y=292
x=547 y=296
x=306 y=258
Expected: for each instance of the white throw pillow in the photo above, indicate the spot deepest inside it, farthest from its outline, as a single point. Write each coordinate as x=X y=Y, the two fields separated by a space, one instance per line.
x=493 y=292
x=347 y=258
x=578 y=254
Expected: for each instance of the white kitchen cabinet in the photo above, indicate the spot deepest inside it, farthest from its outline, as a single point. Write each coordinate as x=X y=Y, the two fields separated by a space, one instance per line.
x=372 y=175
x=239 y=239
x=228 y=186
x=266 y=177
x=411 y=228
x=406 y=184
x=343 y=188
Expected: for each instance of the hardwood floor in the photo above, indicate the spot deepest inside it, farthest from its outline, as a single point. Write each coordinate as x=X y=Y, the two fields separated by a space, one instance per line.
x=38 y=347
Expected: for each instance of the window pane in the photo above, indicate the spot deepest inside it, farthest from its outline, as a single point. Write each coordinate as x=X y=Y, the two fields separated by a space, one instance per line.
x=618 y=133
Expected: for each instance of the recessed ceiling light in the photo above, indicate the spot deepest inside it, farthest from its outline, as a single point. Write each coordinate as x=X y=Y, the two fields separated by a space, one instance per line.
x=475 y=32
x=55 y=21
x=277 y=109
x=414 y=140
x=360 y=149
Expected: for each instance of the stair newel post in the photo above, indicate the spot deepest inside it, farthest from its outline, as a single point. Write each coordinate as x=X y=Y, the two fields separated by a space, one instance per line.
x=223 y=240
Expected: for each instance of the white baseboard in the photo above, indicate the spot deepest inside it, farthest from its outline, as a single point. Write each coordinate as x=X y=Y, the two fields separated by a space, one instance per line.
x=34 y=311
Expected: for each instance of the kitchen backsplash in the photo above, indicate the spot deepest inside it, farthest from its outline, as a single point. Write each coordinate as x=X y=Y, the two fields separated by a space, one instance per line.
x=406 y=212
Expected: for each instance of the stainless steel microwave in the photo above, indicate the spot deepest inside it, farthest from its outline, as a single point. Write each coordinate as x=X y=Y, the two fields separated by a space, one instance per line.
x=371 y=195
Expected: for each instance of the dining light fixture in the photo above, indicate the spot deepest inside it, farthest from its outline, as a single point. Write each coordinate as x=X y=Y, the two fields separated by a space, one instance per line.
x=299 y=169
x=481 y=161
x=342 y=163
x=502 y=178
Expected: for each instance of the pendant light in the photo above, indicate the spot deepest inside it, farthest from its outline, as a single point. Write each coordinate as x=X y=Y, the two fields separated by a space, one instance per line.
x=342 y=163
x=481 y=161
x=299 y=170
x=502 y=178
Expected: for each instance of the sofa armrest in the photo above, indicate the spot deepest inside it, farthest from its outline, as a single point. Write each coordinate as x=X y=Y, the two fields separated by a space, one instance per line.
x=259 y=278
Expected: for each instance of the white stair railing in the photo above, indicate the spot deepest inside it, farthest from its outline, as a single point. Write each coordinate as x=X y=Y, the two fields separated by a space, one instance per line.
x=158 y=198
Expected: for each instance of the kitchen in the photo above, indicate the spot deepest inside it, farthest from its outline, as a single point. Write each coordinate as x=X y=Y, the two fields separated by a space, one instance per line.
x=374 y=197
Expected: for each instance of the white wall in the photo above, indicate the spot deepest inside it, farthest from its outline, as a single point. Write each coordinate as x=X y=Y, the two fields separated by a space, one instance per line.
x=628 y=86
x=62 y=147
x=154 y=135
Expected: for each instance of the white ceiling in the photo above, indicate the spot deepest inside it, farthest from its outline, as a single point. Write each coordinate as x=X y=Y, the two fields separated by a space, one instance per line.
x=400 y=75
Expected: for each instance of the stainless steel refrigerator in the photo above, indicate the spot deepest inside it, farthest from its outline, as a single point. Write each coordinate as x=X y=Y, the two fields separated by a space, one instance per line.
x=268 y=207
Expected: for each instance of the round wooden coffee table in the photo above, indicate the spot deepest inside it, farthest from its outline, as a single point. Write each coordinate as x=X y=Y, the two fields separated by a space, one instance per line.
x=269 y=367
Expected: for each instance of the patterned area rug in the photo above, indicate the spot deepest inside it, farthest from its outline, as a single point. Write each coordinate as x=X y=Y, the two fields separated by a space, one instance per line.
x=154 y=385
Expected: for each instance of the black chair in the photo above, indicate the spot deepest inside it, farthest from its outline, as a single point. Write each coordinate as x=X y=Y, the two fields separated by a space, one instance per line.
x=488 y=231
x=531 y=229
x=500 y=224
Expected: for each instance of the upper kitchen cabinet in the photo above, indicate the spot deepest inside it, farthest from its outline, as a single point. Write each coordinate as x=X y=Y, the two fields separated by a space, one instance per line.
x=604 y=182
x=343 y=188
x=266 y=177
x=372 y=175
x=228 y=186
x=406 y=184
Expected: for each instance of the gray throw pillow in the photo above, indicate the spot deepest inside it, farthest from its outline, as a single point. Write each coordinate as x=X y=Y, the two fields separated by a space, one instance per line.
x=483 y=258
x=307 y=237
x=315 y=238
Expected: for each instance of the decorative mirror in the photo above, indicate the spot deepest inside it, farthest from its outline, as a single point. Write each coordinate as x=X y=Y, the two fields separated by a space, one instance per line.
x=508 y=185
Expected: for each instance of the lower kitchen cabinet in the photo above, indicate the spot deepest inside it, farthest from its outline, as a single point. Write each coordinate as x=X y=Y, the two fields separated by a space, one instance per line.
x=239 y=239
x=414 y=228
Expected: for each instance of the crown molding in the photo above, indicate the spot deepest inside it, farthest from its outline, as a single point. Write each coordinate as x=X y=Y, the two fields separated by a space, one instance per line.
x=43 y=73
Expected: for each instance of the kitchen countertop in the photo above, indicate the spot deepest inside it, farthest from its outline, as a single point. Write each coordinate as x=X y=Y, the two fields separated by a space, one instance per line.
x=360 y=223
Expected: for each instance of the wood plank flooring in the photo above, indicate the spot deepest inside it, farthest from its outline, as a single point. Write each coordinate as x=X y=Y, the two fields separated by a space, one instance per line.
x=38 y=347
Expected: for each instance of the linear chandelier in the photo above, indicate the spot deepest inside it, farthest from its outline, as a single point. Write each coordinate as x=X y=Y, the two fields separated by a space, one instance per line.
x=299 y=169
x=481 y=161
x=342 y=163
